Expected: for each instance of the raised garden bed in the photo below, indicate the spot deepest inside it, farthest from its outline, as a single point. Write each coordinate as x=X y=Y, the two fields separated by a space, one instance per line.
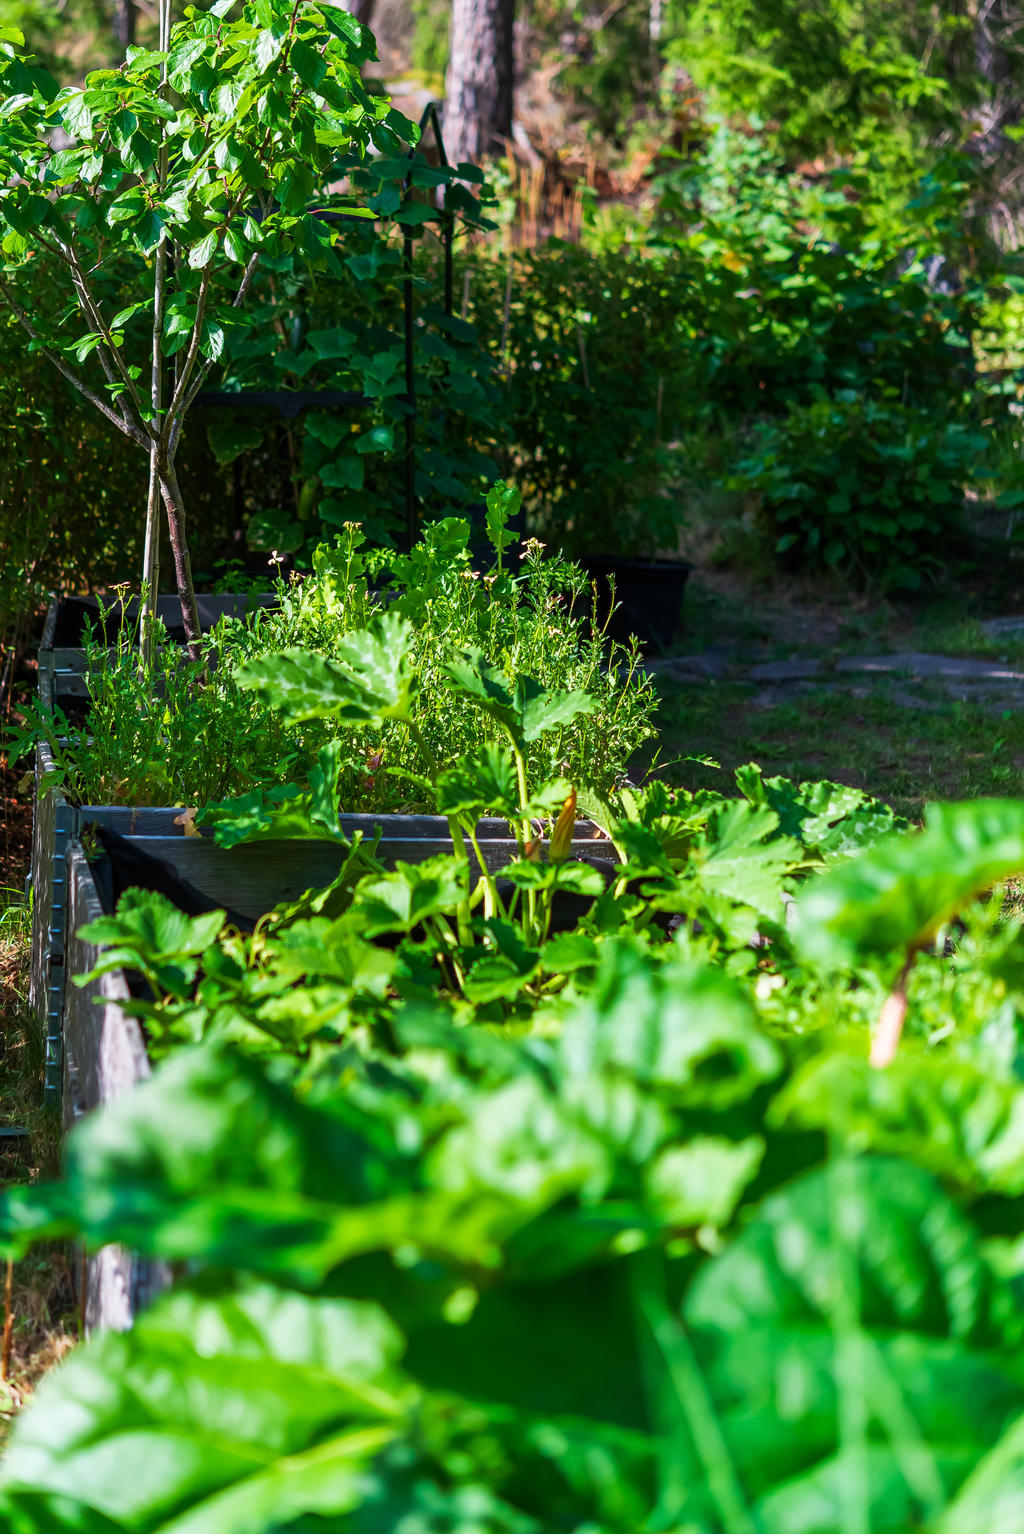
x=62 y=653
x=95 y=1048
x=251 y=878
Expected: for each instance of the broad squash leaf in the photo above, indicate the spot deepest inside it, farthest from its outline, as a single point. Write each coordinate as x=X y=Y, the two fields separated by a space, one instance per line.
x=896 y=896
x=855 y=1349
x=964 y=1124
x=371 y=679
x=218 y=1415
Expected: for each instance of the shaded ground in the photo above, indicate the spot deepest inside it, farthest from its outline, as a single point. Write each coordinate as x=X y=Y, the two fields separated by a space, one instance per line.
x=773 y=672
x=41 y=1308
x=15 y=829
x=42 y=1311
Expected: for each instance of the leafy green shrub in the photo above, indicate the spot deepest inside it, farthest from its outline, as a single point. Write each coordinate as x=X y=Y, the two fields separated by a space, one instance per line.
x=874 y=490
x=794 y=290
x=595 y=376
x=180 y=732
x=827 y=74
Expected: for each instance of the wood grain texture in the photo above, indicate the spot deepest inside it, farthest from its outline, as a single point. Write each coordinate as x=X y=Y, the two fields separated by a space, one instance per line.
x=104 y=1055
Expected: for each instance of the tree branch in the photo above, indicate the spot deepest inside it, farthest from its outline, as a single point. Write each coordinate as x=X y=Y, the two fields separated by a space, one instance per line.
x=191 y=357
x=92 y=313
x=123 y=424
x=203 y=372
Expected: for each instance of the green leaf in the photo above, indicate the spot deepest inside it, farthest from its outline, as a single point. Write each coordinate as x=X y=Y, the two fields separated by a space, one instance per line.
x=503 y=501
x=268 y=47
x=574 y=878
x=830 y=819
x=213 y=1159
x=379 y=439
x=524 y=707
x=415 y=213
x=150 y=934
x=35 y=1512
x=229 y=439
x=236 y=246
x=947 y=1115
x=308 y=63
x=896 y=896
x=688 y=1029
x=280 y=813
x=740 y=856
x=858 y=1295
x=274 y=529
x=484 y=783
x=402 y=900
x=992 y=1498
x=182 y=57
x=371 y=680
x=211 y=340
x=255 y=1407
x=202 y=253
x=701 y=1183
x=149 y=231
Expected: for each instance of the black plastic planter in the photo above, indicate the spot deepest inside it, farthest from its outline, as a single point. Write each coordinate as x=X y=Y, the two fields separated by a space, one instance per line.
x=648 y=596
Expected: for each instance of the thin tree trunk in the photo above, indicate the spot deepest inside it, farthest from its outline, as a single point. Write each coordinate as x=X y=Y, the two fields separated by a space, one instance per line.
x=175 y=509
x=480 y=81
x=151 y=554
x=1000 y=108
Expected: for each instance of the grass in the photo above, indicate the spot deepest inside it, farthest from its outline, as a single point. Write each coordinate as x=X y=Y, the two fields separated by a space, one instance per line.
x=41 y=1309
x=904 y=756
x=850 y=729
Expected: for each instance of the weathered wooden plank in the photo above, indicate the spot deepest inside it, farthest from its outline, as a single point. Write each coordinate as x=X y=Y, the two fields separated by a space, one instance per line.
x=107 y=1046
x=52 y=825
x=104 y=1055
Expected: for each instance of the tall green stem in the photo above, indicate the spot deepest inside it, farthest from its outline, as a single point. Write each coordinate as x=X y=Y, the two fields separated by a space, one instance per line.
x=526 y=833
x=458 y=841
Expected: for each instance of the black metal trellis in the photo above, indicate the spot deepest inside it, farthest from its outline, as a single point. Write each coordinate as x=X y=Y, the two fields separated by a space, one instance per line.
x=290 y=403
x=430 y=116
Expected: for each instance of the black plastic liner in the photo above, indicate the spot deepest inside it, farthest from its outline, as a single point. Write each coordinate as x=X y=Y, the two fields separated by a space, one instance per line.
x=124 y=866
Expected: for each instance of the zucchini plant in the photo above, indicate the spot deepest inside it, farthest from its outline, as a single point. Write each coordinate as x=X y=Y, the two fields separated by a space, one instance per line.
x=652 y=1262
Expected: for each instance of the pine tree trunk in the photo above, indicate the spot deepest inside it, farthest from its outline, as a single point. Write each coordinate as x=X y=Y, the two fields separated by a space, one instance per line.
x=994 y=40
x=480 y=80
x=124 y=26
x=362 y=10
